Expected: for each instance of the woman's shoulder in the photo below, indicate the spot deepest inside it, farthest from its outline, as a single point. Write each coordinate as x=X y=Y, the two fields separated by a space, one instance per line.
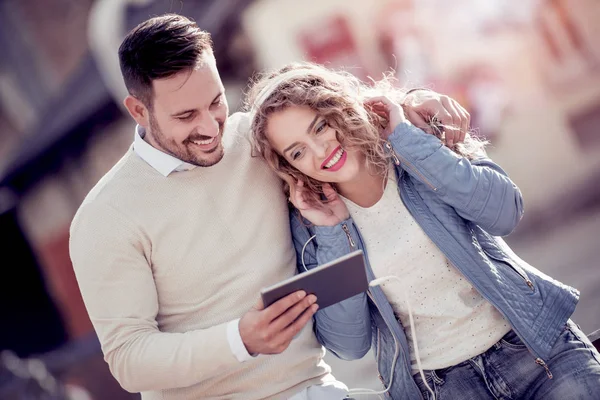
x=300 y=226
x=296 y=219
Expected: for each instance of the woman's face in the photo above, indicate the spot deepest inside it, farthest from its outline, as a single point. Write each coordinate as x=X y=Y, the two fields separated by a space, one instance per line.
x=310 y=145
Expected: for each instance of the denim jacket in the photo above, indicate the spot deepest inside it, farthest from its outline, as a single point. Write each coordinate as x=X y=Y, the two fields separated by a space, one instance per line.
x=464 y=207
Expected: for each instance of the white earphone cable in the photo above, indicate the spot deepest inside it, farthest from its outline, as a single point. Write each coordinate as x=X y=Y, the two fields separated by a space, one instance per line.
x=373 y=283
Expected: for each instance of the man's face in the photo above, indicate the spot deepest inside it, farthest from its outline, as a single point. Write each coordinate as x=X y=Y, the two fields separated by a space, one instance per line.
x=189 y=113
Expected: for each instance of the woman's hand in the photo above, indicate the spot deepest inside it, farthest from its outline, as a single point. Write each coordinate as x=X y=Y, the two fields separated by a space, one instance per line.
x=386 y=108
x=330 y=213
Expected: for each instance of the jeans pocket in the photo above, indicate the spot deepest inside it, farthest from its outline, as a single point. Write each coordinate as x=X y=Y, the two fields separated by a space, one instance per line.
x=430 y=382
x=511 y=341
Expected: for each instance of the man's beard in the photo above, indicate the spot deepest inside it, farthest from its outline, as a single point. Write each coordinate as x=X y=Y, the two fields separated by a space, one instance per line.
x=183 y=151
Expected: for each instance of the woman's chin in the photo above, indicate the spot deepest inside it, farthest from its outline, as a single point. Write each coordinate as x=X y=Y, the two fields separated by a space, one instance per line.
x=338 y=177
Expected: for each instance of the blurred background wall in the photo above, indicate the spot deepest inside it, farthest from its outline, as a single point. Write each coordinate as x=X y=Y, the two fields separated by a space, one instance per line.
x=528 y=72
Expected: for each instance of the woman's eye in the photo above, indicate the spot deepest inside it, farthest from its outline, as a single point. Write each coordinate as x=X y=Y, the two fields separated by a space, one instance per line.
x=321 y=127
x=296 y=154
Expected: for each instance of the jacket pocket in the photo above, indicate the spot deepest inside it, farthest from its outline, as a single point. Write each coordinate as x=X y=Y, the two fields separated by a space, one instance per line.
x=500 y=257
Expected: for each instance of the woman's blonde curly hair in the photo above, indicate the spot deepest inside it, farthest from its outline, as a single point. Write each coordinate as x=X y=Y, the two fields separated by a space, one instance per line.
x=338 y=97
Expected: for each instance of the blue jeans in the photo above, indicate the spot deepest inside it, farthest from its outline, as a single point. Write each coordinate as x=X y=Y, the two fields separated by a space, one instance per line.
x=508 y=371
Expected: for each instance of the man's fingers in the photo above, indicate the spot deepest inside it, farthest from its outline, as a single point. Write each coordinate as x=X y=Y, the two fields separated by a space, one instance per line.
x=281 y=340
x=442 y=115
x=293 y=329
x=459 y=118
x=291 y=314
x=463 y=110
x=259 y=305
x=465 y=120
x=417 y=120
x=378 y=99
x=271 y=330
x=450 y=119
x=280 y=306
x=451 y=135
x=380 y=110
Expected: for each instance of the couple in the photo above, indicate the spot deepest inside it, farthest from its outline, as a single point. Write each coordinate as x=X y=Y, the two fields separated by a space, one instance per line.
x=173 y=245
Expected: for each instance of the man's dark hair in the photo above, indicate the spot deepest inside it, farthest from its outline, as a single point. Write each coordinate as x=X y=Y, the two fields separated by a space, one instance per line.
x=158 y=48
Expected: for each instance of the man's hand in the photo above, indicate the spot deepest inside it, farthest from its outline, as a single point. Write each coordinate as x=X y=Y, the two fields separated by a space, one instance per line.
x=270 y=330
x=424 y=108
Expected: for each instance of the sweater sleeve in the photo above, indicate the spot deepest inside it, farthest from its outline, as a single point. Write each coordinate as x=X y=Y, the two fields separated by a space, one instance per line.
x=111 y=262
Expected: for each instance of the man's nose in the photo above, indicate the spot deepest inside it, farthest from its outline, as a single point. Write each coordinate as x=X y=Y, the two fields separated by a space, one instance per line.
x=208 y=125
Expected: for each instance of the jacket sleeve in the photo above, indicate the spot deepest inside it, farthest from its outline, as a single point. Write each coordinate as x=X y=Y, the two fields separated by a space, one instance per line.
x=343 y=328
x=480 y=191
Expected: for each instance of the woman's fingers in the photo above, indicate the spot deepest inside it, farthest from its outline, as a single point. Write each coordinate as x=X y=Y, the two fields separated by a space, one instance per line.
x=297 y=196
x=329 y=192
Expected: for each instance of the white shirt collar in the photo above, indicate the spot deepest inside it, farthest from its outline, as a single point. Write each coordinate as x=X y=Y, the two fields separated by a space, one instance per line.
x=159 y=160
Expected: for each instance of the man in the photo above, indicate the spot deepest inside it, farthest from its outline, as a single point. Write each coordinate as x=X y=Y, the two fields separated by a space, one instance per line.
x=173 y=245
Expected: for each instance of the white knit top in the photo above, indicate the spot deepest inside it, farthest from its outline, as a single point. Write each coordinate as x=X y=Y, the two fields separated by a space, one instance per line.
x=452 y=321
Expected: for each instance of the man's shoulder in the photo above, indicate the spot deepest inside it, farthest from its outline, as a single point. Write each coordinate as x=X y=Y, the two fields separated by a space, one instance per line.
x=237 y=131
x=113 y=177
x=104 y=221
x=111 y=187
x=240 y=121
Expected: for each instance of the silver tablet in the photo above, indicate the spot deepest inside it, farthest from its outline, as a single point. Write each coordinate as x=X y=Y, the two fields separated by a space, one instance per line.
x=331 y=283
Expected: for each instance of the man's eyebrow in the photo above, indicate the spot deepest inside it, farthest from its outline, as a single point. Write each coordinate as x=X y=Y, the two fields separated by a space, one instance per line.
x=217 y=96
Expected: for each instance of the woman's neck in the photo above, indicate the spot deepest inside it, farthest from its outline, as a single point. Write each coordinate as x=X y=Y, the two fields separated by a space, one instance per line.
x=366 y=189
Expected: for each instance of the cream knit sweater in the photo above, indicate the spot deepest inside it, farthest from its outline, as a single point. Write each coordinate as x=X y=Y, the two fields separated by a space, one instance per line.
x=164 y=263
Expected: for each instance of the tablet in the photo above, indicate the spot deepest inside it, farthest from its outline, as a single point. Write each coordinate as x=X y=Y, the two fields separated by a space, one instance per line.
x=331 y=283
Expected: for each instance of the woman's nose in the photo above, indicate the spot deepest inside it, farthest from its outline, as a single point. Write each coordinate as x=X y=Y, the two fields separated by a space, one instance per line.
x=322 y=148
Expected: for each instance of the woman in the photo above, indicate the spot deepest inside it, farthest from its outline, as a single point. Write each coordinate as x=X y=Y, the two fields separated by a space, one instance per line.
x=453 y=313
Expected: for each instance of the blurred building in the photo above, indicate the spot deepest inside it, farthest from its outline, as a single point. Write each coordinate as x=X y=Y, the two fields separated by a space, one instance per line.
x=529 y=75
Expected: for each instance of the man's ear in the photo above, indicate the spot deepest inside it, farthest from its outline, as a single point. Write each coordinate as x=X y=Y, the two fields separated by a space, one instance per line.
x=138 y=111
